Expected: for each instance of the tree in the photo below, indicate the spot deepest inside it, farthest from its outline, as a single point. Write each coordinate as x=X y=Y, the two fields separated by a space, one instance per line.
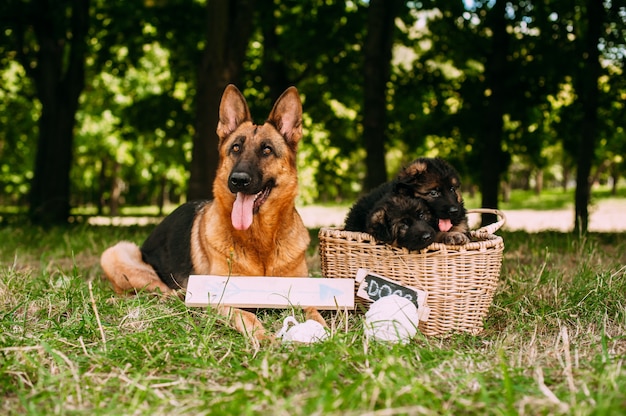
x=496 y=75
x=229 y=26
x=480 y=84
x=377 y=67
x=478 y=79
x=316 y=46
x=589 y=72
x=49 y=39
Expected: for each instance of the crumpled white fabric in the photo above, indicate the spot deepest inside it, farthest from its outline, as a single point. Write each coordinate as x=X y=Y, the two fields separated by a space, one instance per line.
x=306 y=332
x=392 y=319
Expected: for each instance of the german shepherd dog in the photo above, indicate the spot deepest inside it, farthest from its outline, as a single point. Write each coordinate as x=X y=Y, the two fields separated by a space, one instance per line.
x=435 y=181
x=393 y=218
x=250 y=228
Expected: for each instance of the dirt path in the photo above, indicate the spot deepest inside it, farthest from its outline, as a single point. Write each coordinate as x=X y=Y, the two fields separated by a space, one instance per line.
x=606 y=216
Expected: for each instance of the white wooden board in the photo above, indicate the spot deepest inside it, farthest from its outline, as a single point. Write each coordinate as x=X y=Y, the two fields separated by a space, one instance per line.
x=270 y=292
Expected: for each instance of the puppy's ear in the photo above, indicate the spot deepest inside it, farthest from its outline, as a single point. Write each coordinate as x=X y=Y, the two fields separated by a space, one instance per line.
x=414 y=169
x=378 y=226
x=459 y=197
x=233 y=112
x=401 y=187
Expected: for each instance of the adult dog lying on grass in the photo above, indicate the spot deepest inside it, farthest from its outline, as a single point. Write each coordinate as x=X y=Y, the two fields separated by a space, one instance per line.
x=251 y=228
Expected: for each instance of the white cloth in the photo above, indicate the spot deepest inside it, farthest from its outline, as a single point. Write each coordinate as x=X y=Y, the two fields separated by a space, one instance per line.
x=391 y=318
x=307 y=332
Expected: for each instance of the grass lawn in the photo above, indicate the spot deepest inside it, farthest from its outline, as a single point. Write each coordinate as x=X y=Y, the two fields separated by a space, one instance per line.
x=554 y=342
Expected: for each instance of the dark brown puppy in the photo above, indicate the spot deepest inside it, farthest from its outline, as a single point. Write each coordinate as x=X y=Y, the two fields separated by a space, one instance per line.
x=435 y=181
x=395 y=219
x=250 y=228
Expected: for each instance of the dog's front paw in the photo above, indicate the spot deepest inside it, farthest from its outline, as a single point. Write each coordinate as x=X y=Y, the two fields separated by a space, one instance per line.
x=453 y=238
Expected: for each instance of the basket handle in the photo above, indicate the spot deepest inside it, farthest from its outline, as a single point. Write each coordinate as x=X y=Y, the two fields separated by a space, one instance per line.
x=483 y=232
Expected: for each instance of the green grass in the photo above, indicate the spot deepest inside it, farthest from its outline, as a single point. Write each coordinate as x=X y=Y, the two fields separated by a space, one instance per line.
x=554 y=342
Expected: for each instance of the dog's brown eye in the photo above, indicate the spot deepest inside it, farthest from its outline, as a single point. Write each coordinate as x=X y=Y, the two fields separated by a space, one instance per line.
x=235 y=148
x=434 y=193
x=267 y=151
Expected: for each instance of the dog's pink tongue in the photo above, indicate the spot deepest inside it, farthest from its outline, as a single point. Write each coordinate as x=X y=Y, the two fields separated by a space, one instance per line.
x=241 y=216
x=444 y=225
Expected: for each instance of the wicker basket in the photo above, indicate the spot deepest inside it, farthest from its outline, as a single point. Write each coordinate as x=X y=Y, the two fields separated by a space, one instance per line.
x=460 y=280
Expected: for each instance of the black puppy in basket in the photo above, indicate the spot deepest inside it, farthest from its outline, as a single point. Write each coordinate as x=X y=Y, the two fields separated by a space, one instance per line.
x=421 y=205
x=393 y=218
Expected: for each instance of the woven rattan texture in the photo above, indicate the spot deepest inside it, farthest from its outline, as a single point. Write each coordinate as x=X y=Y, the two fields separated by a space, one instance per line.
x=460 y=280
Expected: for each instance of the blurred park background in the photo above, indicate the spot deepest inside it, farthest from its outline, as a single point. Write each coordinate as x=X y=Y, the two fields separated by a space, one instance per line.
x=106 y=105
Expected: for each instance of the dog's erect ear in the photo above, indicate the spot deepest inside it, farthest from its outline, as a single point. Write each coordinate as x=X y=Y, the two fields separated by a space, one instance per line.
x=286 y=115
x=233 y=111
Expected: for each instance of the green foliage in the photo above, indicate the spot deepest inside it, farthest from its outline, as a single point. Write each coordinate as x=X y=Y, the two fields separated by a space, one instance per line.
x=146 y=131
x=136 y=118
x=553 y=343
x=18 y=138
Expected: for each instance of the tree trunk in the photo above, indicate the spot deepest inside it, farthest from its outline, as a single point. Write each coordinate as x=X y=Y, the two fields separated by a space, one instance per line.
x=588 y=96
x=539 y=182
x=614 y=179
x=492 y=162
x=162 y=195
x=117 y=186
x=377 y=67
x=506 y=191
x=274 y=69
x=229 y=26
x=566 y=175
x=101 y=186
x=59 y=76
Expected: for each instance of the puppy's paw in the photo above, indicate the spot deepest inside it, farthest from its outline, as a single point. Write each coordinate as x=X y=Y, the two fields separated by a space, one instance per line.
x=453 y=238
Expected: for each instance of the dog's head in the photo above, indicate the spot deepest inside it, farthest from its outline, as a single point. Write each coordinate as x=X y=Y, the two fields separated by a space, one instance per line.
x=257 y=162
x=436 y=182
x=402 y=221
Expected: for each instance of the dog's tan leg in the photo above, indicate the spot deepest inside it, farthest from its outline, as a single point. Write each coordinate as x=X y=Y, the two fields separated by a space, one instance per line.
x=313 y=314
x=125 y=269
x=245 y=322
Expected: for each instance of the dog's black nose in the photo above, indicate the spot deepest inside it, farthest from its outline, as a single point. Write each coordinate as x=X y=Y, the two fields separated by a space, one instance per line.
x=453 y=210
x=240 y=180
x=426 y=236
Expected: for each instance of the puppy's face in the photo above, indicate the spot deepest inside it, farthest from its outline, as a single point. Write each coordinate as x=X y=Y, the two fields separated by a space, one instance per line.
x=436 y=182
x=402 y=221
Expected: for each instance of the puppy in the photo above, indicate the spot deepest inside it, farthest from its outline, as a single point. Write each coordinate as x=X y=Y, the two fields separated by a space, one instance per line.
x=395 y=219
x=437 y=183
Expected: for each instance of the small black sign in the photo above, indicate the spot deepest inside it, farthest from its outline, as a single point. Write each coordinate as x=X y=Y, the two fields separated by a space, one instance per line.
x=374 y=287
